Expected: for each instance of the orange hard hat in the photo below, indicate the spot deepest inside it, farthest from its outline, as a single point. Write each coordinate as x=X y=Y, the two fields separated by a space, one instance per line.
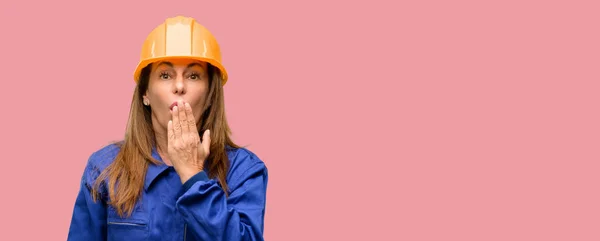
x=180 y=37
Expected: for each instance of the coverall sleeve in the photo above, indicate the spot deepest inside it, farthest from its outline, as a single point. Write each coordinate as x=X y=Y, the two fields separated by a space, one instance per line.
x=88 y=221
x=210 y=215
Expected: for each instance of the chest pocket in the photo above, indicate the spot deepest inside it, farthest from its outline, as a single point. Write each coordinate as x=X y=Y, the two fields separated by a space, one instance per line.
x=131 y=228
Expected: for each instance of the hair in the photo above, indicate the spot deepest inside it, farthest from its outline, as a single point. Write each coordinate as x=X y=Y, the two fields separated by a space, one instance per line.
x=135 y=155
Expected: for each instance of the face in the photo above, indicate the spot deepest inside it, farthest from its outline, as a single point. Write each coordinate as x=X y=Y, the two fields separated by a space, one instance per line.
x=185 y=80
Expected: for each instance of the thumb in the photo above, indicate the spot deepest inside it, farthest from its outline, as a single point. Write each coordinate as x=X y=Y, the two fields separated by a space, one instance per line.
x=206 y=142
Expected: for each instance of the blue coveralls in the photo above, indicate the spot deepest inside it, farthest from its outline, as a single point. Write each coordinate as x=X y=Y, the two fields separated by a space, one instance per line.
x=170 y=210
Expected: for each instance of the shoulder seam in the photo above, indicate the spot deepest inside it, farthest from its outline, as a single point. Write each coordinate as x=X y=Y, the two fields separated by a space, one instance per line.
x=255 y=162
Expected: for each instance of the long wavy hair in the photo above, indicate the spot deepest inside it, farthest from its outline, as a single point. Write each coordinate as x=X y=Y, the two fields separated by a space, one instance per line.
x=135 y=154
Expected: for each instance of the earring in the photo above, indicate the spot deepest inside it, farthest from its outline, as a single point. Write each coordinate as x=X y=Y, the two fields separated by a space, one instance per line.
x=146 y=102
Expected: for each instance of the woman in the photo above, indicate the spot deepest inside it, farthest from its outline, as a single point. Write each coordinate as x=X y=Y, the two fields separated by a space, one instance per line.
x=177 y=175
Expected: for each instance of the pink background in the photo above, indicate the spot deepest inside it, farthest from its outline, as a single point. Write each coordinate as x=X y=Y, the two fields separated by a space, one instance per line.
x=437 y=120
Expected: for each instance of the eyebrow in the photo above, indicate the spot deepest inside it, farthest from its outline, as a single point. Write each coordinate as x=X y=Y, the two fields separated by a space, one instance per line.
x=171 y=64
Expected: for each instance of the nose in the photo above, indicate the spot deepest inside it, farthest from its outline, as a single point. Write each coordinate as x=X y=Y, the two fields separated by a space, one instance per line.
x=179 y=87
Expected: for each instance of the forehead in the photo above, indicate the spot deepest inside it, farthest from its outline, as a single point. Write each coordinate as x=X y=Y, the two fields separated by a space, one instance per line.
x=180 y=64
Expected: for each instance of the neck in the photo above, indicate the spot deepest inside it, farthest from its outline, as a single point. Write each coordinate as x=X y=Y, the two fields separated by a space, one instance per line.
x=160 y=135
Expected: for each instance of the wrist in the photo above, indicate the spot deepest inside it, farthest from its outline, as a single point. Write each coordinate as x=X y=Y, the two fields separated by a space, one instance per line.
x=186 y=174
x=201 y=176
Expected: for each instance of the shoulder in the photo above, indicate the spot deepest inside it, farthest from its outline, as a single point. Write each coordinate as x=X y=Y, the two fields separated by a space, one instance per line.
x=240 y=159
x=244 y=163
x=99 y=160
x=105 y=155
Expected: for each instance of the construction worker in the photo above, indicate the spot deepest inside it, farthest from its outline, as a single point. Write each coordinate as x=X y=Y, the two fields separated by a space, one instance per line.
x=176 y=175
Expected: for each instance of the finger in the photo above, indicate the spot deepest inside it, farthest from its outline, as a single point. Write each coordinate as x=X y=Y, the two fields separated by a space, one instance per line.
x=191 y=120
x=176 y=123
x=170 y=134
x=183 y=120
x=206 y=142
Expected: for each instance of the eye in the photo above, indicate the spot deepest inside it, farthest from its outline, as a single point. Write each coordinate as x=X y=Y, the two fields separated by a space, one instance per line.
x=194 y=76
x=164 y=75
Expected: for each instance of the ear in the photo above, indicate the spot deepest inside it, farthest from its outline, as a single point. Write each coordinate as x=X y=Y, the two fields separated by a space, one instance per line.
x=145 y=100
